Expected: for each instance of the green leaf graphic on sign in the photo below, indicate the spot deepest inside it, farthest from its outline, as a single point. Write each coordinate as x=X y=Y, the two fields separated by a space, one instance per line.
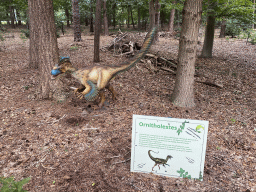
x=198 y=127
x=181 y=127
x=184 y=174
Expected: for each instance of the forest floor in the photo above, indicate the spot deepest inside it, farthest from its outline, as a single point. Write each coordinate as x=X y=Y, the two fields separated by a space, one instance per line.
x=70 y=146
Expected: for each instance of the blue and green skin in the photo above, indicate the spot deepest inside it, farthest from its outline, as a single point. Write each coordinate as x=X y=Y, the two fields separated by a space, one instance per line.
x=159 y=161
x=95 y=78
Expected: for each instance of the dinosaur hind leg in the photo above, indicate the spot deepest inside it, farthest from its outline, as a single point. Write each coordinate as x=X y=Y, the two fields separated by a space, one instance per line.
x=111 y=89
x=102 y=98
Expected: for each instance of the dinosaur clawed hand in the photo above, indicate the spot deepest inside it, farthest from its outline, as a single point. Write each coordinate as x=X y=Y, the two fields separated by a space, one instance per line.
x=78 y=94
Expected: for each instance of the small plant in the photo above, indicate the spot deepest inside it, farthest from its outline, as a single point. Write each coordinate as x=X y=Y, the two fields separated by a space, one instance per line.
x=233 y=121
x=9 y=185
x=74 y=48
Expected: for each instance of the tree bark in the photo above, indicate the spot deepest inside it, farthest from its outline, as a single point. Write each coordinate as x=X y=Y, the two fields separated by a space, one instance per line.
x=67 y=17
x=76 y=21
x=128 y=17
x=133 y=26
x=12 y=16
x=106 y=33
x=114 y=15
x=91 y=17
x=43 y=49
x=209 y=36
x=157 y=13
x=97 y=32
x=171 y=21
x=151 y=14
x=223 y=29
x=139 y=22
x=183 y=94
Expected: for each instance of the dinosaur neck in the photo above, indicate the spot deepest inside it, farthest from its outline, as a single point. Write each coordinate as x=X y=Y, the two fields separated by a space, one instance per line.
x=144 y=49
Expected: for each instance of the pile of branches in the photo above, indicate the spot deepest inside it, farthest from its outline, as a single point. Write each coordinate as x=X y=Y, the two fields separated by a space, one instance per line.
x=126 y=43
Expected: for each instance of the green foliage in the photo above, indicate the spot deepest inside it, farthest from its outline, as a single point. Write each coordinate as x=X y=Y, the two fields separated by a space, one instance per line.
x=2 y=36
x=235 y=27
x=9 y=185
x=24 y=32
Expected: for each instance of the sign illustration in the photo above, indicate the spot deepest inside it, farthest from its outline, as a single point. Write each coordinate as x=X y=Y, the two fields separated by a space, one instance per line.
x=169 y=146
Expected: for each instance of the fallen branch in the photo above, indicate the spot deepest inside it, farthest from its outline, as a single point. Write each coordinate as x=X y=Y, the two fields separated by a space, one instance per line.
x=211 y=84
x=169 y=70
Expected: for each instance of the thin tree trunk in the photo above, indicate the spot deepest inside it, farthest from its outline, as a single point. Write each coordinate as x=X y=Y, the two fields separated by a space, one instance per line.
x=223 y=29
x=106 y=33
x=12 y=16
x=76 y=21
x=209 y=36
x=183 y=94
x=67 y=17
x=128 y=17
x=151 y=14
x=157 y=13
x=91 y=17
x=18 y=17
x=171 y=21
x=114 y=15
x=97 y=32
x=132 y=17
x=43 y=50
x=139 y=22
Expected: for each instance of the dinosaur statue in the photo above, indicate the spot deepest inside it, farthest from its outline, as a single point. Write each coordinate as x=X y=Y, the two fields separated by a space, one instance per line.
x=159 y=161
x=94 y=79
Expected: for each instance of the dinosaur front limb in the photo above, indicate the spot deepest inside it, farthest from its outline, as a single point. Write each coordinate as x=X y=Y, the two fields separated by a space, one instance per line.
x=89 y=91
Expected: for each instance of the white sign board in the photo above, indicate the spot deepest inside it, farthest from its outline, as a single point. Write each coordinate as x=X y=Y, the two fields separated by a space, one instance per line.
x=168 y=146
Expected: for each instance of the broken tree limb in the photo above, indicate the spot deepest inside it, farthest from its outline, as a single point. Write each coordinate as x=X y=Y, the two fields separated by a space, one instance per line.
x=211 y=84
x=169 y=70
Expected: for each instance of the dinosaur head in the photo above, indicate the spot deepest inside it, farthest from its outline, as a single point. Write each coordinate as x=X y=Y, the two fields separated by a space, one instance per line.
x=169 y=157
x=63 y=66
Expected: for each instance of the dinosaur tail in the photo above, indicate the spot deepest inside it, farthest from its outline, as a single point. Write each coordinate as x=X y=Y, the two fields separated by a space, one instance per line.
x=151 y=157
x=144 y=49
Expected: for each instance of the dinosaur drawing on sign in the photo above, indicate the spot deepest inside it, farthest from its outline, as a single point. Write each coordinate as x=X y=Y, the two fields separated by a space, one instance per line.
x=159 y=161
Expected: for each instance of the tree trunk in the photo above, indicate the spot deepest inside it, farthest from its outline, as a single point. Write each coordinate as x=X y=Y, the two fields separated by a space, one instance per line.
x=128 y=17
x=91 y=17
x=67 y=17
x=18 y=17
x=43 y=49
x=139 y=22
x=133 y=26
x=183 y=94
x=76 y=21
x=97 y=32
x=114 y=15
x=171 y=21
x=151 y=14
x=209 y=36
x=12 y=16
x=106 y=33
x=157 y=13
x=223 y=29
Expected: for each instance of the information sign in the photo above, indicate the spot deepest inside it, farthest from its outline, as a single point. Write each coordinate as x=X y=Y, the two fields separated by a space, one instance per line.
x=169 y=146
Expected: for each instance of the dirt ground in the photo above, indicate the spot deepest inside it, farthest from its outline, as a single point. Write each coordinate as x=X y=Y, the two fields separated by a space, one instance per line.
x=71 y=146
